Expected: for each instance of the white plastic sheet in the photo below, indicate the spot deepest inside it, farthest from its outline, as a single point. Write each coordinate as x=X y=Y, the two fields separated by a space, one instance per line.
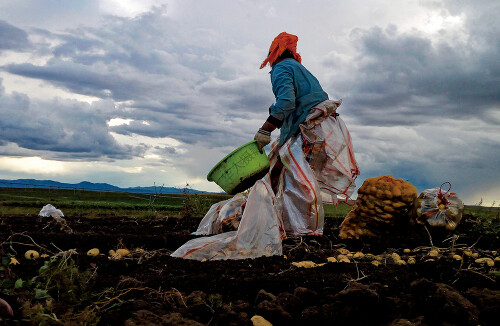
x=259 y=232
x=319 y=167
x=57 y=217
x=50 y=211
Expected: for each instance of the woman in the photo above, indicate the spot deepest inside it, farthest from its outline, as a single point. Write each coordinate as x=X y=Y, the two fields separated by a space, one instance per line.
x=296 y=90
x=311 y=163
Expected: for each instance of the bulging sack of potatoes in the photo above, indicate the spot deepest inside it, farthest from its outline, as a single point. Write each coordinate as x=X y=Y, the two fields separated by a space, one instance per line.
x=223 y=216
x=383 y=204
x=438 y=208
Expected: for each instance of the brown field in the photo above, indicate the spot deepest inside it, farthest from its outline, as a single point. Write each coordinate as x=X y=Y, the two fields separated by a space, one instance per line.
x=149 y=287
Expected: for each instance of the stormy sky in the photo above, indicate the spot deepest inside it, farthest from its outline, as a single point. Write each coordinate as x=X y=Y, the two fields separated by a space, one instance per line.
x=136 y=93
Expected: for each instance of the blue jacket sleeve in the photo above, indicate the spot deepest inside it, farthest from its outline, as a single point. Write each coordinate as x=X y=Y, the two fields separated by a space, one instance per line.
x=283 y=89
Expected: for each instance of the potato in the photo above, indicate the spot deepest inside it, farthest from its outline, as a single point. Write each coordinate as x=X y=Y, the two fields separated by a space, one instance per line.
x=93 y=252
x=434 y=253
x=485 y=261
x=389 y=209
x=123 y=252
x=260 y=321
x=32 y=254
x=359 y=254
x=340 y=257
x=388 y=194
x=305 y=264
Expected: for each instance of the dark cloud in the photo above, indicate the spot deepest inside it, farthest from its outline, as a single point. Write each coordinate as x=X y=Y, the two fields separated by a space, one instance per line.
x=79 y=79
x=407 y=78
x=174 y=79
x=12 y=37
x=61 y=128
x=165 y=150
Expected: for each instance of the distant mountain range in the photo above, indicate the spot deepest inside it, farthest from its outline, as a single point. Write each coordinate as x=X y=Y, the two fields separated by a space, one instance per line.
x=85 y=185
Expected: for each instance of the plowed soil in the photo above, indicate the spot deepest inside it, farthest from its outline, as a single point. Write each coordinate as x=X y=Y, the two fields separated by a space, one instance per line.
x=151 y=288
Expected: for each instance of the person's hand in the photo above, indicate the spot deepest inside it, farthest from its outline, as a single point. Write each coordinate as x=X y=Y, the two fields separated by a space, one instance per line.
x=263 y=137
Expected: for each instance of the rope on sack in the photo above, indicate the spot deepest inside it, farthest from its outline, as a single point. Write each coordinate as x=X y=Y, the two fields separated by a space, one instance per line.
x=442 y=195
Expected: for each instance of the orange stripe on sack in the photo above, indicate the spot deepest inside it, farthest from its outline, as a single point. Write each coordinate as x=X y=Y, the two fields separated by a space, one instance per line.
x=310 y=186
x=189 y=252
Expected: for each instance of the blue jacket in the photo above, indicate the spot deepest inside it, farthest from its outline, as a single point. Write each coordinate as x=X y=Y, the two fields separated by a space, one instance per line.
x=297 y=91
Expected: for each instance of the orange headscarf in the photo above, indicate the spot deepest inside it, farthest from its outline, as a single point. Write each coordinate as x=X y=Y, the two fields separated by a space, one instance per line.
x=282 y=42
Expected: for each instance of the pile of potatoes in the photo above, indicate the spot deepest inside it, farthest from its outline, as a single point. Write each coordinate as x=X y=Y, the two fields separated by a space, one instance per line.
x=383 y=203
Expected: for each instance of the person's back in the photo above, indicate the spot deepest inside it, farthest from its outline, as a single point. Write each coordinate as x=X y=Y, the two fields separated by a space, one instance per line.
x=296 y=91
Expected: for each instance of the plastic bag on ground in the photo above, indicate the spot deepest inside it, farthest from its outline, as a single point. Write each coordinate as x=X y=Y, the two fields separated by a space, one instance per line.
x=50 y=211
x=57 y=217
x=319 y=167
x=439 y=209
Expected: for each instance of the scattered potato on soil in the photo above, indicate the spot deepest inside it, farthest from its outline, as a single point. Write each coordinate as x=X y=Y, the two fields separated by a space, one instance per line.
x=343 y=251
x=44 y=255
x=434 y=253
x=411 y=260
x=260 y=321
x=375 y=262
x=382 y=205
x=406 y=251
x=13 y=261
x=32 y=254
x=304 y=264
x=487 y=261
x=114 y=255
x=395 y=256
x=342 y=257
x=93 y=252
x=468 y=253
x=359 y=254
x=123 y=252
x=457 y=257
x=497 y=260
x=331 y=259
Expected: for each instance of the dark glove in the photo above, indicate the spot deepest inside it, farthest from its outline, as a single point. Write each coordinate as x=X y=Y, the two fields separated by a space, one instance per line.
x=263 y=137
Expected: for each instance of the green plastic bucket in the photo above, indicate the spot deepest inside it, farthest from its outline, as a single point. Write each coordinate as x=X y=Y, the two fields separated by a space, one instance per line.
x=239 y=170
